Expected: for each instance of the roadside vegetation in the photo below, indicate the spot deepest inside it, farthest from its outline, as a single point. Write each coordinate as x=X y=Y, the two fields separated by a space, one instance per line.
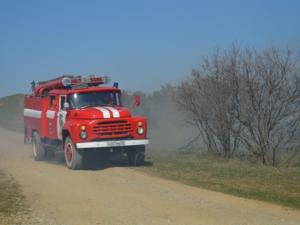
x=12 y=202
x=231 y=176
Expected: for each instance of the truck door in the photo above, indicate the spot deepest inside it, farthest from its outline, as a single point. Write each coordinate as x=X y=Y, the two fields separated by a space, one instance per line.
x=61 y=116
x=51 y=116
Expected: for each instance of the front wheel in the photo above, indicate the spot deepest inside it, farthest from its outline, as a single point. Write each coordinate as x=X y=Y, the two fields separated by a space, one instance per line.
x=73 y=157
x=136 y=155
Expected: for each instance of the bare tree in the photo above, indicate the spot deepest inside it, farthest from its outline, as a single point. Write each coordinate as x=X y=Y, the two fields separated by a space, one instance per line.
x=209 y=100
x=245 y=99
x=269 y=104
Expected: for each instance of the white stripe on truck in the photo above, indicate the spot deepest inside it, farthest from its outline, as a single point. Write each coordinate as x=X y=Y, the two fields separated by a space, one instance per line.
x=104 y=111
x=116 y=113
x=33 y=113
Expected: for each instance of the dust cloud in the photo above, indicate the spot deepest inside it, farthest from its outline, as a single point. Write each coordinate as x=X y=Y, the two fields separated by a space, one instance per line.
x=167 y=126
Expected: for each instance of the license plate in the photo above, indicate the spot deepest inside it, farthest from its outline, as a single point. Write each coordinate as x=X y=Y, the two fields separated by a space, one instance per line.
x=116 y=143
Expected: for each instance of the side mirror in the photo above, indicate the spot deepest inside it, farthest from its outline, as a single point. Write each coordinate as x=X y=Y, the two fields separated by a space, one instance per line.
x=137 y=101
x=66 y=105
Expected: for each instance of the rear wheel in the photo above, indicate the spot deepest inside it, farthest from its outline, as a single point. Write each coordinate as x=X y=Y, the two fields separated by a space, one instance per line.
x=136 y=155
x=37 y=148
x=73 y=157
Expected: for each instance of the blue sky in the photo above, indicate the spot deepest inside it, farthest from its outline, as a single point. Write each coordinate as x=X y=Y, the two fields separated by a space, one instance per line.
x=140 y=44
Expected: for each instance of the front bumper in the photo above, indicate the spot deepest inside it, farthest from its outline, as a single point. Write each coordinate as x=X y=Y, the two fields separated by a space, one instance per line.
x=111 y=144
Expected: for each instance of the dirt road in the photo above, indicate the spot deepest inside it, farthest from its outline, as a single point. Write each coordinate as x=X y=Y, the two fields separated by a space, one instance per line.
x=120 y=195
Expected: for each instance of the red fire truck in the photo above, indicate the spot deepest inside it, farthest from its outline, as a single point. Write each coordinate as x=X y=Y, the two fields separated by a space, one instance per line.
x=78 y=115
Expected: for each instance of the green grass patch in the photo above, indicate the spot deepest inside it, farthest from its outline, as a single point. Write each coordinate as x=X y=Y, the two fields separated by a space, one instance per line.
x=11 y=199
x=239 y=178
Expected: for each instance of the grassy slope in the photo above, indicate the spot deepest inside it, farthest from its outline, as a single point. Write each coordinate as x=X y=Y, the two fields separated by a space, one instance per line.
x=11 y=112
x=281 y=186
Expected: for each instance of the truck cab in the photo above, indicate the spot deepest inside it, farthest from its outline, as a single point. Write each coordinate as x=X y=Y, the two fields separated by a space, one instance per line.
x=78 y=115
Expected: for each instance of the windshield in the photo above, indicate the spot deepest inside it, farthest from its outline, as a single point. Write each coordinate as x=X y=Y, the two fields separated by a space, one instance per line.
x=91 y=99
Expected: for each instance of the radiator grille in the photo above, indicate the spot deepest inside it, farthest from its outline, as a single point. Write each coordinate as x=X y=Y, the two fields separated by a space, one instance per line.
x=112 y=129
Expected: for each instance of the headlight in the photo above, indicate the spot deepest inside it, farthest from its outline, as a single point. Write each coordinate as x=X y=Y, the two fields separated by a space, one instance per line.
x=83 y=134
x=140 y=130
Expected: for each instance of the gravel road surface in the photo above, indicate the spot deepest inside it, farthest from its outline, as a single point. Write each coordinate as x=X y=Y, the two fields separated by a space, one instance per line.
x=123 y=196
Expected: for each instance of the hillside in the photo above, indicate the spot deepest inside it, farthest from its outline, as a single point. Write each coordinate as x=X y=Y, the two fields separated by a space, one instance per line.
x=11 y=112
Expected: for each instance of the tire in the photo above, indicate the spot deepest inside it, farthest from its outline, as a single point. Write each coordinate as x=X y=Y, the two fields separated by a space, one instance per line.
x=136 y=155
x=73 y=158
x=38 y=150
